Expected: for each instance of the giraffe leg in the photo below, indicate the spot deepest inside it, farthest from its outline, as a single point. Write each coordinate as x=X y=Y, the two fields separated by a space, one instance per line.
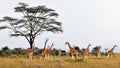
x=31 y=57
x=98 y=56
x=72 y=55
x=108 y=56
x=45 y=56
x=84 y=56
x=87 y=57
x=76 y=56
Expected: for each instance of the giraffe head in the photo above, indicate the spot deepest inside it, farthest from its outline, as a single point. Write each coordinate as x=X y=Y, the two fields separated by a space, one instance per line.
x=89 y=44
x=66 y=42
x=115 y=45
x=52 y=44
x=99 y=47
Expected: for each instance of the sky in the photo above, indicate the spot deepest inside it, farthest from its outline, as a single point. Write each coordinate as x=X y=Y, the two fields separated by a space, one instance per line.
x=84 y=21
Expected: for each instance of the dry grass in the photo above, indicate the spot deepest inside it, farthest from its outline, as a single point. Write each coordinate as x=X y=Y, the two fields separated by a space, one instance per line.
x=61 y=62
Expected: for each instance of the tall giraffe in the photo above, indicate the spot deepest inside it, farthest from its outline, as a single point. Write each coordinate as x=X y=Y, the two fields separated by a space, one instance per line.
x=86 y=51
x=99 y=52
x=49 y=53
x=30 y=52
x=44 y=52
x=72 y=50
x=110 y=52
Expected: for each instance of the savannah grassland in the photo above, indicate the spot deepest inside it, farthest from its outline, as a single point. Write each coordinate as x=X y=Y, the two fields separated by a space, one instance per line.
x=60 y=62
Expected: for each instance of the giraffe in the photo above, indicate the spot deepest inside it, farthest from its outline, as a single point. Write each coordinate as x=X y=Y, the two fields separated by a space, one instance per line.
x=86 y=51
x=49 y=52
x=44 y=52
x=72 y=50
x=30 y=52
x=110 y=52
x=99 y=52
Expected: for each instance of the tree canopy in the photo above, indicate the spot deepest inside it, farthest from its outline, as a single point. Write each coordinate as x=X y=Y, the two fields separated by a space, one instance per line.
x=35 y=21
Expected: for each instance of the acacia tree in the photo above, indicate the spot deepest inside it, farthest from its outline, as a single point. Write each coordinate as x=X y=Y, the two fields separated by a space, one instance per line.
x=35 y=21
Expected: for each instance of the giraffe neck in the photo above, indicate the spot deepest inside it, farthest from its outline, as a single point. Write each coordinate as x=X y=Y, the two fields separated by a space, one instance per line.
x=88 y=47
x=112 y=48
x=51 y=47
x=69 y=46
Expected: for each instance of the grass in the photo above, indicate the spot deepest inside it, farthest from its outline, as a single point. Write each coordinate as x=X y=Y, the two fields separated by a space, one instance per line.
x=60 y=62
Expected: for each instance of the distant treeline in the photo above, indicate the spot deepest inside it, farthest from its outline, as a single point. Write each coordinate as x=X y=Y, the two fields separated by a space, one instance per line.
x=6 y=51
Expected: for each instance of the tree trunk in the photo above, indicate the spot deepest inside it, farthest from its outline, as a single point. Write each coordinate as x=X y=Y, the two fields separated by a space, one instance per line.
x=31 y=42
